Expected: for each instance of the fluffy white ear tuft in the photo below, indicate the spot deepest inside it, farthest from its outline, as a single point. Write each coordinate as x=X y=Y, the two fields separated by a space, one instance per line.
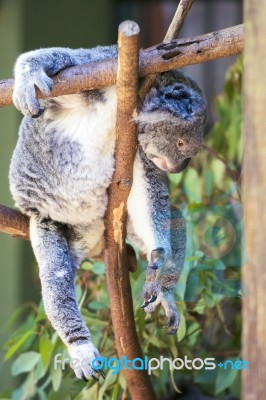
x=153 y=117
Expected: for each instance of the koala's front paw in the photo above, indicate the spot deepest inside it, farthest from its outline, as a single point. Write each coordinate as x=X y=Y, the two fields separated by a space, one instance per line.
x=161 y=278
x=24 y=96
x=82 y=356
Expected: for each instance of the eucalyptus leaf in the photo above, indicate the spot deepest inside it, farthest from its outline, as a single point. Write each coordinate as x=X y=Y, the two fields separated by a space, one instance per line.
x=225 y=379
x=12 y=350
x=46 y=348
x=25 y=362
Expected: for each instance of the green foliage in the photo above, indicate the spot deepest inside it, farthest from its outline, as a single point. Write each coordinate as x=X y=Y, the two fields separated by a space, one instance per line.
x=208 y=291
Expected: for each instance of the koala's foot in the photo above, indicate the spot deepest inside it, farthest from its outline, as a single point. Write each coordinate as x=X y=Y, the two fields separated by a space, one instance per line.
x=82 y=356
x=161 y=278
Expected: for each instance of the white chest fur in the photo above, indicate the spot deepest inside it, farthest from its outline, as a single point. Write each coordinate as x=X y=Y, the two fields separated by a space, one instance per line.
x=82 y=185
x=92 y=125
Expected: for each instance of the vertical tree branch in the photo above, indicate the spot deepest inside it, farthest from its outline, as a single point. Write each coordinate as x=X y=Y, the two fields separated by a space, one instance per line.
x=118 y=282
x=254 y=190
x=171 y=34
x=178 y=20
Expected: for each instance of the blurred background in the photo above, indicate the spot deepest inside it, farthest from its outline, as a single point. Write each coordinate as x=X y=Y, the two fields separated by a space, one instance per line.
x=31 y=24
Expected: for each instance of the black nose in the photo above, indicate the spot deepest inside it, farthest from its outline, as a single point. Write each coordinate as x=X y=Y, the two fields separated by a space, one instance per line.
x=182 y=166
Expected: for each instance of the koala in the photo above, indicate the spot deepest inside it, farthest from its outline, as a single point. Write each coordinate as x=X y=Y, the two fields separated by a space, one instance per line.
x=63 y=164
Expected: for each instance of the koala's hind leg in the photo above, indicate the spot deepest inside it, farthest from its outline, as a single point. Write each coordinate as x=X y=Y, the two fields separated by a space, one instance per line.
x=162 y=233
x=57 y=274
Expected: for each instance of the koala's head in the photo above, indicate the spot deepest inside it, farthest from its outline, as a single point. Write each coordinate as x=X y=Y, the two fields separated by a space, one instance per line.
x=171 y=121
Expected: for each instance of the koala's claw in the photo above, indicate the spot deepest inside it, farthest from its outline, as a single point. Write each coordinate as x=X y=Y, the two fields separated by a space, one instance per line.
x=102 y=373
x=172 y=314
x=83 y=377
x=153 y=298
x=94 y=377
x=41 y=111
x=144 y=304
x=149 y=301
x=172 y=324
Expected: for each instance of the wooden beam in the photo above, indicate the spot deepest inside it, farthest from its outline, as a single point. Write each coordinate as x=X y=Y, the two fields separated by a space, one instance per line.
x=254 y=190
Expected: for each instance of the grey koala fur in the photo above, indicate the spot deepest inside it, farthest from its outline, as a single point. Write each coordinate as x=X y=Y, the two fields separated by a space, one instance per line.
x=63 y=164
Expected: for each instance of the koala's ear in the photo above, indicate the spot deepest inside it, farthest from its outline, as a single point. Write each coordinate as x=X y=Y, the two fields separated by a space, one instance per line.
x=151 y=117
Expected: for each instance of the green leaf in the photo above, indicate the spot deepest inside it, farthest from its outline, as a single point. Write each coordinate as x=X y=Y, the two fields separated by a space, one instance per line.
x=46 y=348
x=173 y=382
x=25 y=362
x=18 y=344
x=206 y=377
x=175 y=179
x=109 y=380
x=15 y=317
x=193 y=258
x=98 y=268
x=96 y=305
x=78 y=292
x=95 y=322
x=41 y=313
x=82 y=299
x=88 y=393
x=65 y=390
x=39 y=371
x=208 y=176
x=122 y=380
x=225 y=379
x=218 y=172
x=192 y=185
x=116 y=391
x=56 y=375
x=41 y=394
x=200 y=306
x=181 y=332
x=87 y=265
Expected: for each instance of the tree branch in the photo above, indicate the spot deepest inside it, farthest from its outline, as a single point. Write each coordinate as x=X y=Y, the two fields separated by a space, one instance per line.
x=171 y=34
x=178 y=20
x=156 y=59
x=117 y=273
x=14 y=223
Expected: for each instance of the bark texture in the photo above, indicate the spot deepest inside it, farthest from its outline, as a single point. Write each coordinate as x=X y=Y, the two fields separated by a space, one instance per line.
x=117 y=271
x=254 y=187
x=156 y=59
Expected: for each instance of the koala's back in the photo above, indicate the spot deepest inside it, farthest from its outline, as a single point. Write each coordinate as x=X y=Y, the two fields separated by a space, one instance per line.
x=64 y=160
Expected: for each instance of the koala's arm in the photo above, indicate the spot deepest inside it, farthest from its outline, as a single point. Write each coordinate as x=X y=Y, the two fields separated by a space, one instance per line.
x=57 y=274
x=34 y=69
x=163 y=235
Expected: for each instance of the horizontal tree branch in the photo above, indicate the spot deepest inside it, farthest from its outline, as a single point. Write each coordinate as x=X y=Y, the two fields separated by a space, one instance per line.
x=14 y=223
x=163 y=57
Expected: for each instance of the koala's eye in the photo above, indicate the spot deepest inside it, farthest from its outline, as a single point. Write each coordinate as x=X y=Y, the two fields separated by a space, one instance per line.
x=180 y=143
